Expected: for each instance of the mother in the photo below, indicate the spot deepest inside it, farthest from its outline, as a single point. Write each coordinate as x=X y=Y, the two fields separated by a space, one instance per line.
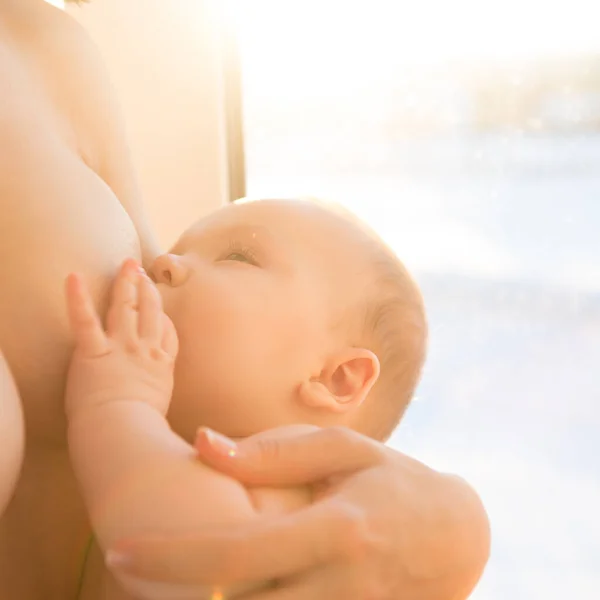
x=414 y=533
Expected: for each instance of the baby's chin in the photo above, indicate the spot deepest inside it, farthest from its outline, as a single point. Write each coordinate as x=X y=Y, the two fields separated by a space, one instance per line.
x=219 y=401
x=187 y=414
x=184 y=418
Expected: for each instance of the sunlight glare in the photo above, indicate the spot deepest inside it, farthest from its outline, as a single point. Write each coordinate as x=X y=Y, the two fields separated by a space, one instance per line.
x=323 y=38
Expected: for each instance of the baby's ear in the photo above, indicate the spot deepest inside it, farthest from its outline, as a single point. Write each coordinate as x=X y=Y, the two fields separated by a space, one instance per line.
x=344 y=382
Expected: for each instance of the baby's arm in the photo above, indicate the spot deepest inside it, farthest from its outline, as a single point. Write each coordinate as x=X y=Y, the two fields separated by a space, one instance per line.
x=136 y=474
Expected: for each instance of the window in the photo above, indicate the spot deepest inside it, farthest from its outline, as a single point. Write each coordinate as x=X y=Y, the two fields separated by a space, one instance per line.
x=468 y=134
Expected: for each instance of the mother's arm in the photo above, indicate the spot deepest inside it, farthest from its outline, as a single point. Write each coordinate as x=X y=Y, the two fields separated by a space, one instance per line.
x=385 y=526
x=12 y=434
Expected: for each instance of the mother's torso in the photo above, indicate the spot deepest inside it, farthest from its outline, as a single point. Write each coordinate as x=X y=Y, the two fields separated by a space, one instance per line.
x=56 y=216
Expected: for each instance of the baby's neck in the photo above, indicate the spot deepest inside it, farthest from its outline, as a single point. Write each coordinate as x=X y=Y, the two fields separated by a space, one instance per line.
x=44 y=530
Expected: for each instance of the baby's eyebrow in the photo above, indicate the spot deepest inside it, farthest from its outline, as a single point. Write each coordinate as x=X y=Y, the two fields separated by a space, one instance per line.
x=249 y=233
x=259 y=233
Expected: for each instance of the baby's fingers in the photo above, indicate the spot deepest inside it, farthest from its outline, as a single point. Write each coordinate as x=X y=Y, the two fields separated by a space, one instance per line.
x=83 y=318
x=150 y=317
x=122 y=317
x=170 y=342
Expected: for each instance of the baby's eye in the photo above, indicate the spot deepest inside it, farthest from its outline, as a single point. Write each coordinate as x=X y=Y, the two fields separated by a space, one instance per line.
x=238 y=257
x=239 y=253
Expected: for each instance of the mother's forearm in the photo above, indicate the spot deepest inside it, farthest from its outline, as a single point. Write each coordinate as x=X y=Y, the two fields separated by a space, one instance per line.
x=464 y=537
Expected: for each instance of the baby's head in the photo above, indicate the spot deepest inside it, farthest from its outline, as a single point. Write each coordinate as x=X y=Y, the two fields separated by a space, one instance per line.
x=290 y=312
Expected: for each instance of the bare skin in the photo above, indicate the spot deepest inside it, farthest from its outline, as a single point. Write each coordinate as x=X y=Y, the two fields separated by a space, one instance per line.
x=62 y=153
x=12 y=434
x=57 y=125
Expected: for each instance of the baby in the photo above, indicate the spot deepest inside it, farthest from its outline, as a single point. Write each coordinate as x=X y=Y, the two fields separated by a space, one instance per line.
x=279 y=313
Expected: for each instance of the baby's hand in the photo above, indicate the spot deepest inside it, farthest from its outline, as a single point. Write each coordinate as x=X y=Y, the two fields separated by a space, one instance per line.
x=133 y=359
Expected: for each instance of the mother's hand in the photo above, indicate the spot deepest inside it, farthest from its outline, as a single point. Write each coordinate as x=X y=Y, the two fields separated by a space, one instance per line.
x=384 y=525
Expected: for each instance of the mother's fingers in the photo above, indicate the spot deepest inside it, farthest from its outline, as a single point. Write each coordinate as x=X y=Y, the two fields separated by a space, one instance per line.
x=290 y=460
x=262 y=550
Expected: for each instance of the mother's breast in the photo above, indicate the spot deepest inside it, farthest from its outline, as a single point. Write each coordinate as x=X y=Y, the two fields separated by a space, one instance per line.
x=57 y=216
x=12 y=434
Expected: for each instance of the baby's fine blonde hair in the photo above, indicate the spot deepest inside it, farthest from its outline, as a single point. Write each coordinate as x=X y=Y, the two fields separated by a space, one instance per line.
x=392 y=324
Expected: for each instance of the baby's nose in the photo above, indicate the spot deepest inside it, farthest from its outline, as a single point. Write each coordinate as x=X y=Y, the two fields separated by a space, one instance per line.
x=169 y=269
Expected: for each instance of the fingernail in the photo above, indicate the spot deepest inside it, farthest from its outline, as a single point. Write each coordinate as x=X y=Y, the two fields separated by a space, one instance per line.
x=134 y=265
x=116 y=559
x=220 y=443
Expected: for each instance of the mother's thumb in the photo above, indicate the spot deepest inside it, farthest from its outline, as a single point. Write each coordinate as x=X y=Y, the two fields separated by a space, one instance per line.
x=288 y=460
x=258 y=460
